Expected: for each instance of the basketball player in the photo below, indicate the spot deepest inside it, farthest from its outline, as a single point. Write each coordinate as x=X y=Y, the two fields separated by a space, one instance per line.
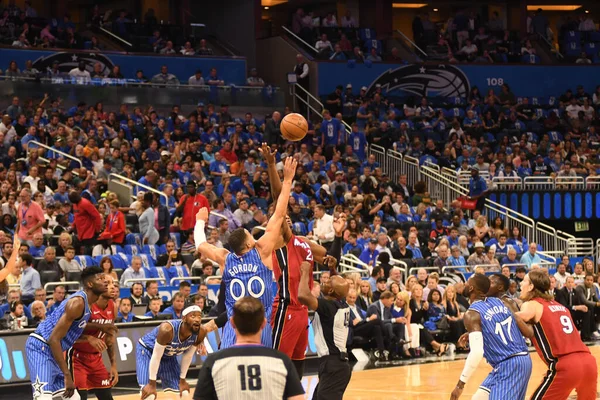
x=557 y=342
x=157 y=351
x=493 y=334
x=248 y=270
x=48 y=370
x=290 y=318
x=499 y=285
x=248 y=371
x=85 y=357
x=330 y=323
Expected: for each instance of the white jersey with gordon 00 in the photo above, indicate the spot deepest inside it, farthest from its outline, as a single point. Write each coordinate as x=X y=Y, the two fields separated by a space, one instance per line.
x=248 y=372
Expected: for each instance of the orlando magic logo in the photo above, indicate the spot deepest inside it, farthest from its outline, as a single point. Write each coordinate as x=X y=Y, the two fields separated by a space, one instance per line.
x=68 y=61
x=424 y=80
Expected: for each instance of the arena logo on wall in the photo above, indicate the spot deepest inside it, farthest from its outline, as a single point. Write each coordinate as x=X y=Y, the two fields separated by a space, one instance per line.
x=68 y=61
x=423 y=80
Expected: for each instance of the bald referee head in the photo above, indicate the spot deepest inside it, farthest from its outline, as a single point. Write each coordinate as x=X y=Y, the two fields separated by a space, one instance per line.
x=248 y=370
x=248 y=319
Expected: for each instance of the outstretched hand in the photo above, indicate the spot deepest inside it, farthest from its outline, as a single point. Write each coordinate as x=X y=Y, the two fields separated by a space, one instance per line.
x=269 y=155
x=289 y=169
x=202 y=215
x=339 y=224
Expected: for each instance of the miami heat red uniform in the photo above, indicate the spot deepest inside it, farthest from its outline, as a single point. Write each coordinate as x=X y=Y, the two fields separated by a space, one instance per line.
x=570 y=363
x=89 y=371
x=290 y=317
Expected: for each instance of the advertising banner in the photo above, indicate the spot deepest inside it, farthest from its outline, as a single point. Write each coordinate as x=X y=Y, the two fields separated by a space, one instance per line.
x=14 y=365
x=231 y=70
x=454 y=80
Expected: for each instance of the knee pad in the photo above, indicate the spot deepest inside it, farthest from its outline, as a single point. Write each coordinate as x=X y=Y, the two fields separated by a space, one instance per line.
x=480 y=394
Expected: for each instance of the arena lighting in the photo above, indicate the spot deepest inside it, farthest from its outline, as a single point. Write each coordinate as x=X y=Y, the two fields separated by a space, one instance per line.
x=266 y=8
x=271 y=3
x=435 y=10
x=549 y=7
x=408 y=5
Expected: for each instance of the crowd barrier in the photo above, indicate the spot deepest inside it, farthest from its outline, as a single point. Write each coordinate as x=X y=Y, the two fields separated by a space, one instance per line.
x=231 y=70
x=14 y=368
x=451 y=80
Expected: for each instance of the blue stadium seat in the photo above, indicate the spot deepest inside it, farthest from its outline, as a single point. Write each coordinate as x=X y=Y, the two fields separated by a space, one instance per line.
x=151 y=250
x=573 y=37
x=530 y=59
x=177 y=272
x=261 y=203
x=159 y=272
x=573 y=49
x=132 y=249
x=594 y=36
x=299 y=228
x=147 y=260
x=591 y=49
x=367 y=34
x=119 y=262
x=86 y=261
x=373 y=44
x=454 y=113
x=457 y=101
x=134 y=238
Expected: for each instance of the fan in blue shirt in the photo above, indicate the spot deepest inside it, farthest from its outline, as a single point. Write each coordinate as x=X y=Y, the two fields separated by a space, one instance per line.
x=369 y=255
x=352 y=245
x=358 y=141
x=330 y=130
x=301 y=199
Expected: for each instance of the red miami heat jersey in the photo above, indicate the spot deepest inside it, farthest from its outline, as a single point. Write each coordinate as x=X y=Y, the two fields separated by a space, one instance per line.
x=286 y=267
x=99 y=316
x=555 y=335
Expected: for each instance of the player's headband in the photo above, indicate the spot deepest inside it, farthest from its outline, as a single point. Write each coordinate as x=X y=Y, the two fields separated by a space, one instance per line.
x=191 y=309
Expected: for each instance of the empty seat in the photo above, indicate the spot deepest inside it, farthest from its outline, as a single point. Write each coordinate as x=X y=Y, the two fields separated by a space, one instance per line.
x=48 y=276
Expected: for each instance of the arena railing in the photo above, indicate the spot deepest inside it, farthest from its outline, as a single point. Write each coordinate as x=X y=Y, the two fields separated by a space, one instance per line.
x=446 y=189
x=351 y=263
x=511 y=218
x=298 y=38
x=513 y=266
x=411 y=169
x=570 y=182
x=185 y=278
x=141 y=185
x=62 y=153
x=539 y=183
x=394 y=165
x=144 y=280
x=506 y=183
x=304 y=96
x=66 y=284
x=414 y=270
x=580 y=247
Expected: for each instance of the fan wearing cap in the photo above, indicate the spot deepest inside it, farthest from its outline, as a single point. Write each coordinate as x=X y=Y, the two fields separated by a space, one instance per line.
x=479 y=257
x=157 y=351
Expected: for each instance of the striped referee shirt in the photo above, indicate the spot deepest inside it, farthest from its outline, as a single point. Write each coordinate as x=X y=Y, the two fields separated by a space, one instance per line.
x=249 y=372
x=330 y=324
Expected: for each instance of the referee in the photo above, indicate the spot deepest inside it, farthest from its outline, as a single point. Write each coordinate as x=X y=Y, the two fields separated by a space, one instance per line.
x=248 y=371
x=331 y=321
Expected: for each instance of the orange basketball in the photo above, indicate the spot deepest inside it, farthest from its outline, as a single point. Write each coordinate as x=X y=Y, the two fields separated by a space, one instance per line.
x=294 y=127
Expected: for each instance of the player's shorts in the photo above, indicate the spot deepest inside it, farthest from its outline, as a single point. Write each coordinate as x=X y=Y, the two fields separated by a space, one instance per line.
x=45 y=374
x=168 y=370
x=88 y=369
x=228 y=337
x=290 y=330
x=509 y=379
x=576 y=371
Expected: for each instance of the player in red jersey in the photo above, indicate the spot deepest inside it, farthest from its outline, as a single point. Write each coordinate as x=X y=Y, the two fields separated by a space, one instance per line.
x=290 y=318
x=570 y=363
x=85 y=357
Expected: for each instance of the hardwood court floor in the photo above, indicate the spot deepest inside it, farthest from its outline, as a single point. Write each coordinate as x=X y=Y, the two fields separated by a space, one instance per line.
x=432 y=381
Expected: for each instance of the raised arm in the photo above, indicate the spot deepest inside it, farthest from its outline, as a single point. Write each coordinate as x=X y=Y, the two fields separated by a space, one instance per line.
x=206 y=249
x=472 y=322
x=266 y=244
x=304 y=294
x=11 y=265
x=73 y=310
x=286 y=231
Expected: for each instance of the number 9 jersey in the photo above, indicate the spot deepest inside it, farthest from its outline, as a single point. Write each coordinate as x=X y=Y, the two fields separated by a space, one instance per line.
x=247 y=275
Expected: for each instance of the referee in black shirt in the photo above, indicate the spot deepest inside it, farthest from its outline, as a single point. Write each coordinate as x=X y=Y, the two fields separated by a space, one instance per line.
x=248 y=371
x=330 y=324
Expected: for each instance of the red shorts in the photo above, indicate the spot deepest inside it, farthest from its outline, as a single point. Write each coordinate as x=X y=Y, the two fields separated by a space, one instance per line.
x=290 y=330
x=88 y=369
x=576 y=371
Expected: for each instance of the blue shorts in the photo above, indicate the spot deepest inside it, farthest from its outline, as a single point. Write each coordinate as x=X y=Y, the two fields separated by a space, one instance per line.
x=228 y=336
x=168 y=371
x=44 y=372
x=509 y=379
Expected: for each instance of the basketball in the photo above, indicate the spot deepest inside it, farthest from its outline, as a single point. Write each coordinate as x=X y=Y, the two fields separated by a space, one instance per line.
x=294 y=127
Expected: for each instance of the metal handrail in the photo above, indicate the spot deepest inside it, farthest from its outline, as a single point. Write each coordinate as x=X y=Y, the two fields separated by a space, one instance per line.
x=310 y=95
x=218 y=215
x=558 y=53
x=411 y=42
x=67 y=283
x=185 y=278
x=148 y=188
x=134 y=280
x=300 y=39
x=115 y=36
x=66 y=155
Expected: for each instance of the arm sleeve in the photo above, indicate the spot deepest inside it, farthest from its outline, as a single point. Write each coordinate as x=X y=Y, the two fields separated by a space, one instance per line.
x=157 y=354
x=293 y=386
x=221 y=320
x=186 y=360
x=336 y=248
x=475 y=356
